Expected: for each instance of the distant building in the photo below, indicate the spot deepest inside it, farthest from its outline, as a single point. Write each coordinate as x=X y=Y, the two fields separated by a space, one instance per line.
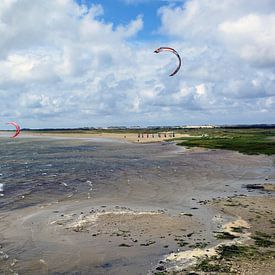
x=199 y=127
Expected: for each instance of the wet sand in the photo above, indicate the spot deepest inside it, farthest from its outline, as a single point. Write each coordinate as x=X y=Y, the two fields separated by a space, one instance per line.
x=157 y=204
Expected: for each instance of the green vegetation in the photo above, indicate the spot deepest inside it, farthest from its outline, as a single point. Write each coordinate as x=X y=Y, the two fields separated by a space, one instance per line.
x=199 y=245
x=262 y=234
x=262 y=239
x=181 y=242
x=238 y=229
x=229 y=255
x=206 y=266
x=221 y=263
x=227 y=252
x=248 y=141
x=225 y=236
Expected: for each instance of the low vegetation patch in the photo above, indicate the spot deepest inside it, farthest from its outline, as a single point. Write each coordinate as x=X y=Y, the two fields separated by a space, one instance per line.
x=238 y=229
x=248 y=141
x=230 y=251
x=225 y=236
x=262 y=239
x=199 y=245
x=230 y=255
x=207 y=266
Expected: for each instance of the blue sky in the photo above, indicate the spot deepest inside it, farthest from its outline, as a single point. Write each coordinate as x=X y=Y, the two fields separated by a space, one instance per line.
x=63 y=64
x=122 y=11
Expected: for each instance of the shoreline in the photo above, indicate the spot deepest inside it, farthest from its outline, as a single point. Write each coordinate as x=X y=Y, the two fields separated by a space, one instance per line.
x=128 y=137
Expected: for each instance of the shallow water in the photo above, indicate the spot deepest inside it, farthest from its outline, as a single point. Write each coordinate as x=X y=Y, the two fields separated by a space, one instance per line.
x=54 y=168
x=41 y=170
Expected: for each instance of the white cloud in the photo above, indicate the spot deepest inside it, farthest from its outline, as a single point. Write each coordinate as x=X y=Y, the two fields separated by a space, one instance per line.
x=243 y=27
x=63 y=65
x=200 y=90
x=252 y=37
x=132 y=29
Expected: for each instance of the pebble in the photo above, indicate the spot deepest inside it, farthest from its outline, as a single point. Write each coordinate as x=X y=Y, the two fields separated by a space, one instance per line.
x=160 y=268
x=3 y=256
x=42 y=261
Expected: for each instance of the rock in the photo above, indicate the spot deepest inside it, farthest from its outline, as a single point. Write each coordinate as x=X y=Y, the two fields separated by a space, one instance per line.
x=254 y=186
x=160 y=268
x=124 y=245
x=147 y=243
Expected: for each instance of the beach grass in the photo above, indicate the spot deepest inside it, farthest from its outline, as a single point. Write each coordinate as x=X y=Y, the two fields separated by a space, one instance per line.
x=247 y=141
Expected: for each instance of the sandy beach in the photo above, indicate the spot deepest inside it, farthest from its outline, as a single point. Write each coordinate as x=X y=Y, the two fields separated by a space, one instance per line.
x=141 y=137
x=126 y=208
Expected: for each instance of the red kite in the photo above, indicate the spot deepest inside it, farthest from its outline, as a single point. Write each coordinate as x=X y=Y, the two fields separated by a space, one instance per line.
x=17 y=128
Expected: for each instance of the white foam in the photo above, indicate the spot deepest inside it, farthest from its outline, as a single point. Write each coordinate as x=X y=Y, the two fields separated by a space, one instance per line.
x=1 y=187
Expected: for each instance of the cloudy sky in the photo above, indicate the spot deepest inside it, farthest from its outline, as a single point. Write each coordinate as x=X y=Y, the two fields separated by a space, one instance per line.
x=75 y=63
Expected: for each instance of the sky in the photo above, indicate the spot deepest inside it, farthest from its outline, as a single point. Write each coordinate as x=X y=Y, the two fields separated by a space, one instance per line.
x=84 y=63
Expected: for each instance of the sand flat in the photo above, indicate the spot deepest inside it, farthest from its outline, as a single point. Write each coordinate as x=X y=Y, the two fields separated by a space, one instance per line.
x=129 y=137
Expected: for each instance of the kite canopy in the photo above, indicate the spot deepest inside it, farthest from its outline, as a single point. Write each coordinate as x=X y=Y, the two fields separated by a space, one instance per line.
x=168 y=49
x=17 y=128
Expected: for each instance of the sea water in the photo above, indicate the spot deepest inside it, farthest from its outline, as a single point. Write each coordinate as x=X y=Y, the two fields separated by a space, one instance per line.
x=37 y=170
